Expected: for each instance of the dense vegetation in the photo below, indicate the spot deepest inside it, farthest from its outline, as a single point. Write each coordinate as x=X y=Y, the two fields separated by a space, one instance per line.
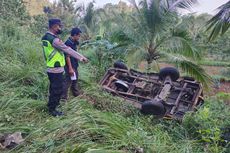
x=97 y=121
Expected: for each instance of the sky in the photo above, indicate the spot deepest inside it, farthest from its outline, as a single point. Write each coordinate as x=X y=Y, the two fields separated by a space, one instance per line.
x=204 y=6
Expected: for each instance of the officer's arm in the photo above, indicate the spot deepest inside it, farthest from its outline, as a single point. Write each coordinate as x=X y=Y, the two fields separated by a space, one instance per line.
x=58 y=44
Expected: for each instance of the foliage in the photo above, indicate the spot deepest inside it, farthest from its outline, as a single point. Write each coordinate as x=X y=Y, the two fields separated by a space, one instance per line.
x=199 y=124
x=66 y=10
x=215 y=51
x=21 y=61
x=226 y=72
x=14 y=10
x=219 y=48
x=96 y=121
x=217 y=79
x=220 y=23
x=223 y=96
x=215 y=63
x=84 y=128
x=151 y=38
x=102 y=55
x=89 y=15
x=92 y=21
x=39 y=25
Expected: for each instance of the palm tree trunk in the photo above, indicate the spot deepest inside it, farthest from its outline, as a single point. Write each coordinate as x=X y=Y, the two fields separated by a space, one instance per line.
x=150 y=58
x=149 y=62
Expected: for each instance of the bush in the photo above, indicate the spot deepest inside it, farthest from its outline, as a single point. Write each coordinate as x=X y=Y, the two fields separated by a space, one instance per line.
x=102 y=55
x=226 y=72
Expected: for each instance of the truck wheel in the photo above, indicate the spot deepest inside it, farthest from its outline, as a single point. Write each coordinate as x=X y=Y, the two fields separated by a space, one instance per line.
x=152 y=107
x=120 y=65
x=169 y=71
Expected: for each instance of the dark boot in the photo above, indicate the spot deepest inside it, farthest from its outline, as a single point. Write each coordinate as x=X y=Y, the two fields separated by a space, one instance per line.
x=55 y=113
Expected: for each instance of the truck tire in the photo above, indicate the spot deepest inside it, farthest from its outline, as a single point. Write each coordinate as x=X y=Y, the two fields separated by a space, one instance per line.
x=120 y=65
x=169 y=71
x=152 y=107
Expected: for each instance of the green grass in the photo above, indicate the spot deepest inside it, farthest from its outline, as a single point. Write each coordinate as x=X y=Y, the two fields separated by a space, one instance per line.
x=111 y=124
x=214 y=63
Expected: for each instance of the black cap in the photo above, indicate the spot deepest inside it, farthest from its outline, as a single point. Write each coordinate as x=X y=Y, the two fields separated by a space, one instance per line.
x=53 y=22
x=75 y=31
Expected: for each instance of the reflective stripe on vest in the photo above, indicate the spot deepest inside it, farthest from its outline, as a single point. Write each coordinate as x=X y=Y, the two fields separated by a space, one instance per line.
x=53 y=57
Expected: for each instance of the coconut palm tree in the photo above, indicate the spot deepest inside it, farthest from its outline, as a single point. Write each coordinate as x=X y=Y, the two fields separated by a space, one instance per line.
x=220 y=22
x=90 y=20
x=154 y=31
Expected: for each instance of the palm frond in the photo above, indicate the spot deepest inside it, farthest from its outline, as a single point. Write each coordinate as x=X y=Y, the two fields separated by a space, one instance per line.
x=133 y=2
x=136 y=56
x=79 y=8
x=183 y=4
x=135 y=30
x=138 y=21
x=148 y=29
x=179 y=31
x=220 y=22
x=89 y=14
x=121 y=37
x=190 y=68
x=153 y=16
x=178 y=45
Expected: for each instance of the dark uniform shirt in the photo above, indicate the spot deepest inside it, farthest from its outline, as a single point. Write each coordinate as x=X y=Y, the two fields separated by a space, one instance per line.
x=69 y=42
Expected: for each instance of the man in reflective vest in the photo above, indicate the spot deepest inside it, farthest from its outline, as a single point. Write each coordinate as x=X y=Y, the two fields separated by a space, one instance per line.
x=54 y=49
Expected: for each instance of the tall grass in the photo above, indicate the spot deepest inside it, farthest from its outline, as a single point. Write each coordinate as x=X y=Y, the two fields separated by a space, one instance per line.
x=22 y=62
x=85 y=125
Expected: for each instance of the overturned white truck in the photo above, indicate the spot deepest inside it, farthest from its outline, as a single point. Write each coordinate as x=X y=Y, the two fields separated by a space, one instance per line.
x=164 y=94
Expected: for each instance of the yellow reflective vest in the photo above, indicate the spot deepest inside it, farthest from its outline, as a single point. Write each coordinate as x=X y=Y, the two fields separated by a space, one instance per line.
x=53 y=57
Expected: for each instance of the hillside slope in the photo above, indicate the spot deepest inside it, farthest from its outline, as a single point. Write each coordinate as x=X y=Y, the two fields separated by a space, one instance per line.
x=107 y=124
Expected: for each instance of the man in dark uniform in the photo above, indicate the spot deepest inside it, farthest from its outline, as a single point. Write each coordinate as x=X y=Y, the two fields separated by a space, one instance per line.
x=71 y=68
x=54 y=49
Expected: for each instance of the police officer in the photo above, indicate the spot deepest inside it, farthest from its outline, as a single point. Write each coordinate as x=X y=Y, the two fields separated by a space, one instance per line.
x=54 y=49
